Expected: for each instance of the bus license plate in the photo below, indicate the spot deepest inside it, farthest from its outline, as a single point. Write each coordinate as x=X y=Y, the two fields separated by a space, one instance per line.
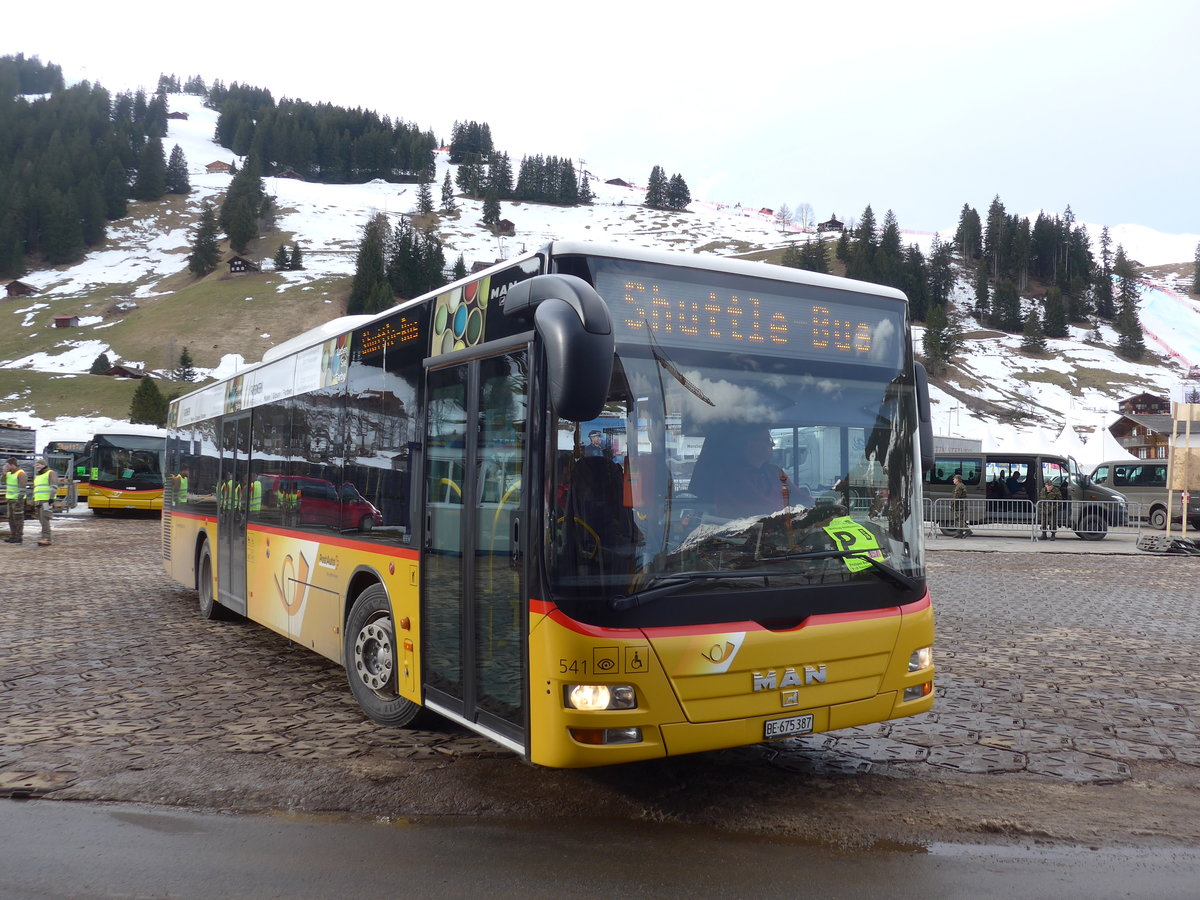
x=777 y=728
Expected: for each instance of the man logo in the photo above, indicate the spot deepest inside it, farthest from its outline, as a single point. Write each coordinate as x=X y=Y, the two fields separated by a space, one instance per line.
x=791 y=678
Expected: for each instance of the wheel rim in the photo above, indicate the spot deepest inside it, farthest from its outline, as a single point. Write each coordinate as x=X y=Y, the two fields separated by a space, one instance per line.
x=374 y=655
x=206 y=592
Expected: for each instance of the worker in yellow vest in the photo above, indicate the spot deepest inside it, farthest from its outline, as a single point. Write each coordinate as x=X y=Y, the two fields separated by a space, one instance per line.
x=14 y=496
x=45 y=489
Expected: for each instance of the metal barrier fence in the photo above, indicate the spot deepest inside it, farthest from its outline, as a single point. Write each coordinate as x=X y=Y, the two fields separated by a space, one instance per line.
x=1091 y=520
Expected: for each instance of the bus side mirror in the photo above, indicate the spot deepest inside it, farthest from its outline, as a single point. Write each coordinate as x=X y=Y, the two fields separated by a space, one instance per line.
x=575 y=327
x=924 y=417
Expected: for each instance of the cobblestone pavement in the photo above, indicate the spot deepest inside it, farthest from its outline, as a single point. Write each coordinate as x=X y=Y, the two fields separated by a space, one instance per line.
x=1077 y=669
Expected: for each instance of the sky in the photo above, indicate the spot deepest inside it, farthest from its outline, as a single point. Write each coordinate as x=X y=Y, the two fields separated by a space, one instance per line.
x=918 y=107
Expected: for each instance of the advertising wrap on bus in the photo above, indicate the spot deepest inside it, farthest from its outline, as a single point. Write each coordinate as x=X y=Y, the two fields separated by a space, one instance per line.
x=599 y=505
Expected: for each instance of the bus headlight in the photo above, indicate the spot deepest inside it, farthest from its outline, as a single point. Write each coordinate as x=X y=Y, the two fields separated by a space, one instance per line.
x=601 y=696
x=921 y=659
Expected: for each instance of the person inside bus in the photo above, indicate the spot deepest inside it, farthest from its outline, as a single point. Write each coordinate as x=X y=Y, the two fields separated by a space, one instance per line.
x=736 y=474
x=595 y=447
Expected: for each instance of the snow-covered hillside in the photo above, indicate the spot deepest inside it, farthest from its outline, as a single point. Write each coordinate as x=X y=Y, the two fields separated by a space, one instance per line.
x=1077 y=385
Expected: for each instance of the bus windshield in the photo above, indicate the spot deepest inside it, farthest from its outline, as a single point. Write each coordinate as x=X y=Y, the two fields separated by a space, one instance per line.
x=127 y=458
x=721 y=485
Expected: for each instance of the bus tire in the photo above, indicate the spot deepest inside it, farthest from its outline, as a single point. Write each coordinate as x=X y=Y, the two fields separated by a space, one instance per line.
x=1158 y=518
x=1092 y=528
x=371 y=660
x=209 y=607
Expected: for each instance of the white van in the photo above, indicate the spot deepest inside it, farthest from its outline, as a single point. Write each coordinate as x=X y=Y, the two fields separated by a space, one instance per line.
x=1144 y=481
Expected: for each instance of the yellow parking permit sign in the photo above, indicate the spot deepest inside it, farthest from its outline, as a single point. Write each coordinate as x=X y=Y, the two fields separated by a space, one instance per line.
x=850 y=535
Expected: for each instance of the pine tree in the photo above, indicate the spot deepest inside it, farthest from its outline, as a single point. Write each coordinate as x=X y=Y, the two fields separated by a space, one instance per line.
x=941 y=272
x=1034 y=336
x=148 y=406
x=889 y=257
x=151 y=181
x=206 y=252
x=1056 y=313
x=982 y=294
x=861 y=263
x=281 y=258
x=940 y=341
x=1006 y=307
x=815 y=255
x=1106 y=307
x=1196 y=271
x=792 y=257
x=369 y=290
x=448 y=204
x=678 y=195
x=100 y=365
x=491 y=210
x=968 y=235
x=656 y=189
x=424 y=199
x=62 y=229
x=296 y=261
x=460 y=268
x=185 y=371
x=177 y=173
x=115 y=188
x=1130 y=343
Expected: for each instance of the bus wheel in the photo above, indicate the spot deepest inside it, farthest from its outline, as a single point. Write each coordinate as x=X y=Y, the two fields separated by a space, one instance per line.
x=370 y=652
x=1092 y=528
x=209 y=607
x=1158 y=518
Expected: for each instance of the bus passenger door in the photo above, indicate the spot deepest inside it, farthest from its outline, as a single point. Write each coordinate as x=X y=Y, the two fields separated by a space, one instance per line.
x=231 y=513
x=474 y=617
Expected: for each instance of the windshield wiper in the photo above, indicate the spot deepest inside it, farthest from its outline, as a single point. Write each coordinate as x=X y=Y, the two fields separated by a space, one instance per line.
x=673 y=584
x=882 y=569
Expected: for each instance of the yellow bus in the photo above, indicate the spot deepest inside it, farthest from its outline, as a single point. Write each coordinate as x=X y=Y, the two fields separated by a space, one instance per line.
x=419 y=497
x=70 y=459
x=126 y=471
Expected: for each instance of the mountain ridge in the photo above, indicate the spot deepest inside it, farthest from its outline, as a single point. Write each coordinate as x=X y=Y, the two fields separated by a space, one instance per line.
x=132 y=294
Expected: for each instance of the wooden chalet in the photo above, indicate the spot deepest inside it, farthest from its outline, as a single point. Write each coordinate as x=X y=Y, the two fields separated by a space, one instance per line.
x=618 y=182
x=218 y=166
x=19 y=289
x=120 y=371
x=239 y=265
x=506 y=228
x=831 y=224
x=66 y=321
x=1144 y=404
x=177 y=115
x=290 y=173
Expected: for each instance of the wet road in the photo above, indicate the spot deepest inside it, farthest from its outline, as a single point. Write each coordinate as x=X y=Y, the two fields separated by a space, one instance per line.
x=65 y=850
x=1068 y=714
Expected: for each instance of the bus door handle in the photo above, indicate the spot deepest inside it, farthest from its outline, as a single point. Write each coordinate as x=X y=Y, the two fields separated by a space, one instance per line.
x=428 y=529
x=514 y=538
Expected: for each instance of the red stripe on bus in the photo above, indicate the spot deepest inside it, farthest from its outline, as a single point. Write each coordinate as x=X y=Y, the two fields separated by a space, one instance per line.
x=335 y=541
